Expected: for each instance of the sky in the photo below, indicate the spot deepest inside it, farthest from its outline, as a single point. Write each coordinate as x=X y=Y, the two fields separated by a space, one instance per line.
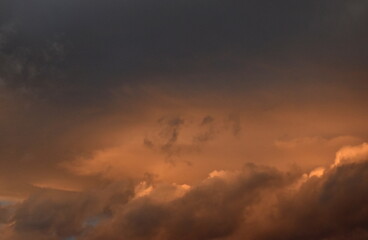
x=183 y=119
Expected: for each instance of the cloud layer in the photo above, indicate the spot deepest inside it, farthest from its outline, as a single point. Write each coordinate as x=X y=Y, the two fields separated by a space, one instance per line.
x=136 y=119
x=255 y=202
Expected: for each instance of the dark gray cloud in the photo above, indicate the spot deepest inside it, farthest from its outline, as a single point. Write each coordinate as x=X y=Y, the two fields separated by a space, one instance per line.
x=93 y=44
x=73 y=53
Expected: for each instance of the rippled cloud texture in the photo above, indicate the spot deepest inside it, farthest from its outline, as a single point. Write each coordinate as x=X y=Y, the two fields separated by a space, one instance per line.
x=185 y=119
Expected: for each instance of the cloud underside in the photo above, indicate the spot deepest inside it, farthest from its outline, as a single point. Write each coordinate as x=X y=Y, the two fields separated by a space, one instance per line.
x=256 y=202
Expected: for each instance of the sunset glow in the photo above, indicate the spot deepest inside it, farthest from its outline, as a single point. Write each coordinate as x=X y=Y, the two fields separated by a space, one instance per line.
x=183 y=120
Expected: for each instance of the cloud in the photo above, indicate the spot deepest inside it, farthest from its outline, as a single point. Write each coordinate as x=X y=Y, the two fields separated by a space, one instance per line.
x=310 y=141
x=332 y=206
x=177 y=136
x=55 y=214
x=256 y=202
x=210 y=210
x=351 y=154
x=114 y=113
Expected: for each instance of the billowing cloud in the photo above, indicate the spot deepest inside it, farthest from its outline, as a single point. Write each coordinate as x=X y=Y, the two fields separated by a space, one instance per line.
x=351 y=154
x=255 y=202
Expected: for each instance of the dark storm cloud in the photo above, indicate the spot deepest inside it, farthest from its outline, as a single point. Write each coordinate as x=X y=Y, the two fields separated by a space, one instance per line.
x=73 y=85
x=130 y=32
x=62 y=61
x=94 y=43
x=212 y=210
x=334 y=206
x=225 y=206
x=5 y=213
x=54 y=214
